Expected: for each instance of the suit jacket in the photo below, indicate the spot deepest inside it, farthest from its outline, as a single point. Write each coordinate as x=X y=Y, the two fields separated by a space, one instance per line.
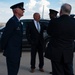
x=62 y=32
x=11 y=41
x=33 y=35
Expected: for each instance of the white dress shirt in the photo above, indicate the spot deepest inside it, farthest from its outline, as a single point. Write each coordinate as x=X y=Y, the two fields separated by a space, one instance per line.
x=37 y=27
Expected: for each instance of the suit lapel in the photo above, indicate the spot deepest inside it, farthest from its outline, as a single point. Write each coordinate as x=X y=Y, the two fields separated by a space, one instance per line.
x=35 y=26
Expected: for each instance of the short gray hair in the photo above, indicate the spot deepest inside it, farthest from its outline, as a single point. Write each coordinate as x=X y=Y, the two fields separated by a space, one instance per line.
x=66 y=8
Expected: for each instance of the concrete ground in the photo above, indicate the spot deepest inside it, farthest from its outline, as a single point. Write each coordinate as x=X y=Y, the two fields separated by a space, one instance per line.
x=25 y=65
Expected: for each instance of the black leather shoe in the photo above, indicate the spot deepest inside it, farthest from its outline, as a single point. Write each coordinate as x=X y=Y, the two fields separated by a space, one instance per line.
x=32 y=70
x=50 y=72
x=41 y=70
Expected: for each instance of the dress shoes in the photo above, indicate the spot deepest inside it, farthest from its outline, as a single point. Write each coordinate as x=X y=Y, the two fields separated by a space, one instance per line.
x=41 y=70
x=32 y=70
x=50 y=72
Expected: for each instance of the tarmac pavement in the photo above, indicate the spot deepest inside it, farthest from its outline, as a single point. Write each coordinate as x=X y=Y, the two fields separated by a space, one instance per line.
x=25 y=65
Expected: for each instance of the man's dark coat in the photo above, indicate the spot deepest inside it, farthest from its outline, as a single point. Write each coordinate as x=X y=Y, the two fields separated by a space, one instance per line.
x=62 y=32
x=11 y=41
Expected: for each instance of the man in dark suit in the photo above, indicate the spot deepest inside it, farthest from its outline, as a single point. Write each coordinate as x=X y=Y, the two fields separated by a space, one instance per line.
x=11 y=41
x=34 y=32
x=62 y=32
x=53 y=14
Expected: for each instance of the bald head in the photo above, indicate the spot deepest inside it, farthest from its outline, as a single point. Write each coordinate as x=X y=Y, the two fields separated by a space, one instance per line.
x=65 y=9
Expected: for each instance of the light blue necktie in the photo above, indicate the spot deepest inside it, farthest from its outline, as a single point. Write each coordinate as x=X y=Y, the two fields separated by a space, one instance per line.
x=38 y=28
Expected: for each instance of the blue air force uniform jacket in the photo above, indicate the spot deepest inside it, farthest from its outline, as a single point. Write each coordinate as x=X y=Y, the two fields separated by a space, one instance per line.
x=11 y=41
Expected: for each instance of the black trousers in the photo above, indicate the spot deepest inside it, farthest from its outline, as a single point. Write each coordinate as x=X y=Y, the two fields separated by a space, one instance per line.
x=12 y=66
x=37 y=48
x=61 y=68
